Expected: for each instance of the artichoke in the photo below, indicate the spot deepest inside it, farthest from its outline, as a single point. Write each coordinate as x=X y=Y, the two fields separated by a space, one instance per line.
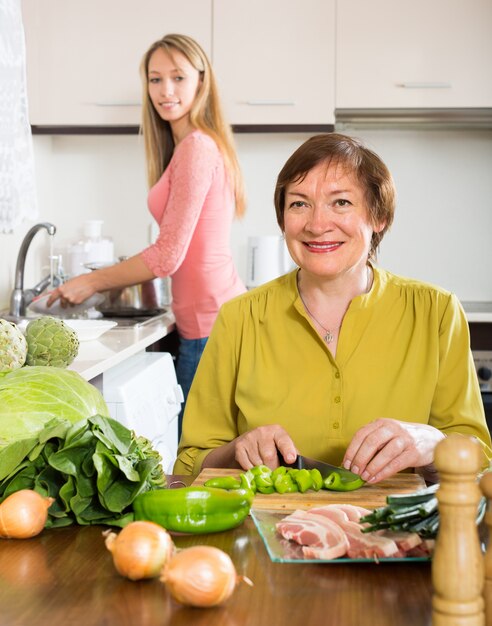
x=51 y=342
x=13 y=347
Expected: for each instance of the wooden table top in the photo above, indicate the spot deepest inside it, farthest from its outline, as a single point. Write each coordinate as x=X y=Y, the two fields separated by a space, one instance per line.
x=66 y=577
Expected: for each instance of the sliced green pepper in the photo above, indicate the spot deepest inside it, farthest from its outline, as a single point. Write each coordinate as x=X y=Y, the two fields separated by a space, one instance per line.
x=285 y=484
x=281 y=470
x=336 y=482
x=317 y=479
x=260 y=470
x=223 y=482
x=194 y=509
x=303 y=480
x=248 y=481
x=264 y=483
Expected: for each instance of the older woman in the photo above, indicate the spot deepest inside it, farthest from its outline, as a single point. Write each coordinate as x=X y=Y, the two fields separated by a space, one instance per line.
x=339 y=360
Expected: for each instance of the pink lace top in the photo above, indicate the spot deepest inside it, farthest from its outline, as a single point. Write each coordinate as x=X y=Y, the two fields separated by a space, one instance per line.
x=194 y=205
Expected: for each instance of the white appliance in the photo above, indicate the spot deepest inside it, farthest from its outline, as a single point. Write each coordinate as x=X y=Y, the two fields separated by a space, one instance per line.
x=143 y=394
x=268 y=258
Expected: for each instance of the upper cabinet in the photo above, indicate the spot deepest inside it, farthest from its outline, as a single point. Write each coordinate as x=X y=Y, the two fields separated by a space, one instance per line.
x=83 y=57
x=275 y=60
x=419 y=54
x=279 y=63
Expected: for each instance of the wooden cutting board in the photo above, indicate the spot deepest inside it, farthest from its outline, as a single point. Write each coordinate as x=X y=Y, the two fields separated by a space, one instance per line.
x=368 y=496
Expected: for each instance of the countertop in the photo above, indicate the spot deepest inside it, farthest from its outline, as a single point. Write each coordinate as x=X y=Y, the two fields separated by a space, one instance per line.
x=118 y=344
x=478 y=311
x=66 y=576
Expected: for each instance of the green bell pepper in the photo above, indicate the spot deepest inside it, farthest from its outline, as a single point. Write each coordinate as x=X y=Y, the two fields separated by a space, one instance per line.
x=336 y=481
x=194 y=509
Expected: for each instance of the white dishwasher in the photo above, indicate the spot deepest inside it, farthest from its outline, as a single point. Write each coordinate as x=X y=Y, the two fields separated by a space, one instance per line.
x=143 y=394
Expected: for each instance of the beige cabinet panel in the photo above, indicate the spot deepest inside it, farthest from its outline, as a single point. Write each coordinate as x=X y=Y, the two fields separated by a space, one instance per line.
x=274 y=60
x=424 y=53
x=83 y=56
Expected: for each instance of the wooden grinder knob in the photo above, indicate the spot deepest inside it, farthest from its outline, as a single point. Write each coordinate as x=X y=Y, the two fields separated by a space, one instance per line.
x=486 y=487
x=457 y=565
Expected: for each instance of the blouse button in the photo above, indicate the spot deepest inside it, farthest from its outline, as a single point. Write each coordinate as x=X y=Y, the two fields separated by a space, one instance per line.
x=337 y=399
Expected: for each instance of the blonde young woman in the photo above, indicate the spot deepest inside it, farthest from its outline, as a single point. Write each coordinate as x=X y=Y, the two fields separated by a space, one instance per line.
x=196 y=189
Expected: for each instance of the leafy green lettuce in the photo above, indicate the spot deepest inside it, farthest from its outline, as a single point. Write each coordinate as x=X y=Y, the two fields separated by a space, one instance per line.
x=94 y=469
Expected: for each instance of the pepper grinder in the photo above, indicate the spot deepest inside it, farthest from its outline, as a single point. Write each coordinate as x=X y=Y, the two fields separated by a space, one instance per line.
x=457 y=565
x=486 y=487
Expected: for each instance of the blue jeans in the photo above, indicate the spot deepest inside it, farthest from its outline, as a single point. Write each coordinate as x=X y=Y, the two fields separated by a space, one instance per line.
x=189 y=353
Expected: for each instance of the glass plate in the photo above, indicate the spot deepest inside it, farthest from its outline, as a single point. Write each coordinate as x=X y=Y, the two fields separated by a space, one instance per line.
x=281 y=550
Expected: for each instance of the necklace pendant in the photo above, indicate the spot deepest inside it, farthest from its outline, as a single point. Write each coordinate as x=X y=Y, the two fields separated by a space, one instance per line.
x=329 y=336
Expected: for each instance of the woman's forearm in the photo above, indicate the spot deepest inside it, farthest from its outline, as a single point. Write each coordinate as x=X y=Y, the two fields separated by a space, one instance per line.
x=123 y=274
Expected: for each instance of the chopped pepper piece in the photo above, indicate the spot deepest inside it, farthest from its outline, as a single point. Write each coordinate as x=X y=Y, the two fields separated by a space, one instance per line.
x=257 y=470
x=248 y=481
x=281 y=470
x=264 y=482
x=303 y=480
x=285 y=484
x=337 y=482
x=223 y=482
x=317 y=479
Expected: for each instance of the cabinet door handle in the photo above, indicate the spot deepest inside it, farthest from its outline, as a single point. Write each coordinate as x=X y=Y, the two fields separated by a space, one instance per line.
x=423 y=85
x=262 y=103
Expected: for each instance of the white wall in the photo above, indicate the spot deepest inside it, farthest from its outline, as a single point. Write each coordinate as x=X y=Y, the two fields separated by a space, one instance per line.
x=442 y=228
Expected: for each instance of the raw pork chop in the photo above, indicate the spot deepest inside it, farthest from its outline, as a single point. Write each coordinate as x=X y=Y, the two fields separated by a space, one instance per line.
x=319 y=534
x=361 y=545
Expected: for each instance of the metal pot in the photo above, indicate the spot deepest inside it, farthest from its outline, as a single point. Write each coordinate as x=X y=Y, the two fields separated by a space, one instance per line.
x=148 y=298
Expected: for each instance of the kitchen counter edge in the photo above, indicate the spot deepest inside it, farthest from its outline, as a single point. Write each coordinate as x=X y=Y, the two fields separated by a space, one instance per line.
x=118 y=344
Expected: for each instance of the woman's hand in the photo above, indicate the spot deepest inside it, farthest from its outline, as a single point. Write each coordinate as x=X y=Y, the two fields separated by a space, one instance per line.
x=262 y=445
x=74 y=291
x=387 y=446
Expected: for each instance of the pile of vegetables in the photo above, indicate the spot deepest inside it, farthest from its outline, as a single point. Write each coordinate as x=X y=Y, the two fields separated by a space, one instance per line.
x=415 y=512
x=56 y=438
x=48 y=341
x=200 y=576
x=283 y=479
x=93 y=469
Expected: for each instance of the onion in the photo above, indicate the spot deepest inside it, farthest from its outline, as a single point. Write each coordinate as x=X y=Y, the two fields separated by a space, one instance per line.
x=23 y=514
x=140 y=550
x=201 y=576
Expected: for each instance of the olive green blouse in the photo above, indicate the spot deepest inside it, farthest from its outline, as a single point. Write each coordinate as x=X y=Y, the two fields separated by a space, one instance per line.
x=403 y=352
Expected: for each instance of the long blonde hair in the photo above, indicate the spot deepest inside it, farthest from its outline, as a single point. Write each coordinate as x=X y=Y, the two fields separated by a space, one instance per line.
x=205 y=115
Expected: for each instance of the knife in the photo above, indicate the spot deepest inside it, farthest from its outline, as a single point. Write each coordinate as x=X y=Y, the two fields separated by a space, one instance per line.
x=325 y=469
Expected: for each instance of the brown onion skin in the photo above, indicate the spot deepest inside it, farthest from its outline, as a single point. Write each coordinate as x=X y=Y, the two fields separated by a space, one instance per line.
x=23 y=514
x=200 y=576
x=140 y=550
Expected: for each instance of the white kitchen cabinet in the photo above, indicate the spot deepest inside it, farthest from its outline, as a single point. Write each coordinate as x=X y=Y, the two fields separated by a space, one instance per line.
x=275 y=60
x=420 y=54
x=83 y=56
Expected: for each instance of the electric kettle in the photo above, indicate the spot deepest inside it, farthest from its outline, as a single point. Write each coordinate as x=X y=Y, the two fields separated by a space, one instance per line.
x=268 y=258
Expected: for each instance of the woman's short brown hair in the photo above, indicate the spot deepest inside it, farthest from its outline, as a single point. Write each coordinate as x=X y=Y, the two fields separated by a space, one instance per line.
x=350 y=154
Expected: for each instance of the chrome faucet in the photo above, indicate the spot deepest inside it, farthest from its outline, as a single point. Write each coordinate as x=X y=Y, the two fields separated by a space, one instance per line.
x=21 y=298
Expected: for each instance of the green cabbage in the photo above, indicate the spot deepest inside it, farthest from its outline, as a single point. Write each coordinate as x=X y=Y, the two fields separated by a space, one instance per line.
x=31 y=396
